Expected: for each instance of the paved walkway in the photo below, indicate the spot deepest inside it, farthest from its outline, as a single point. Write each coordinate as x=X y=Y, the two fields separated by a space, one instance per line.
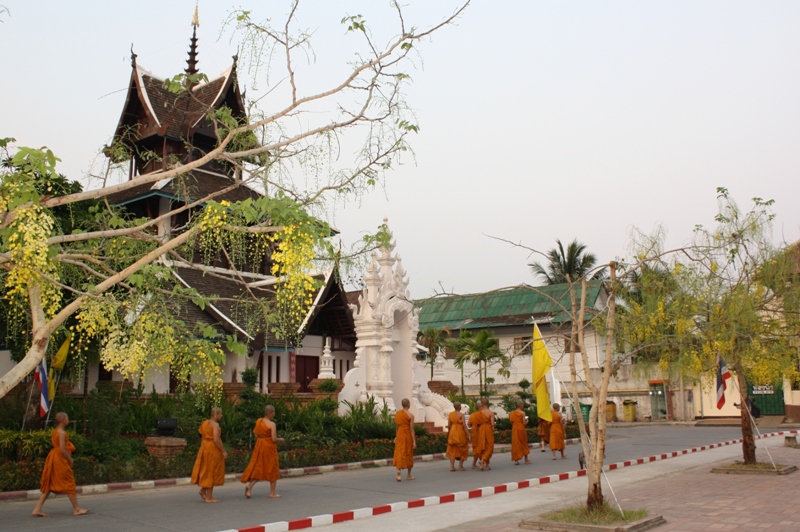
x=681 y=489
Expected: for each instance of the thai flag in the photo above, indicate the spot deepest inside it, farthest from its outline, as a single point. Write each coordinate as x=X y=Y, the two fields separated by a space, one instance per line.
x=41 y=377
x=723 y=374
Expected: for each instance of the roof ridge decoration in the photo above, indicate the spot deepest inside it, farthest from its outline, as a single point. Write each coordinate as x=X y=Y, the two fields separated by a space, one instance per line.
x=140 y=72
x=191 y=63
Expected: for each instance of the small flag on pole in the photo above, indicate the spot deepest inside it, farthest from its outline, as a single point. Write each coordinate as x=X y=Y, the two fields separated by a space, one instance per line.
x=723 y=374
x=57 y=365
x=541 y=365
x=41 y=377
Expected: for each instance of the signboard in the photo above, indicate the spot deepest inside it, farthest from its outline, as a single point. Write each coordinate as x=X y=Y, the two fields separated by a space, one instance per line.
x=763 y=389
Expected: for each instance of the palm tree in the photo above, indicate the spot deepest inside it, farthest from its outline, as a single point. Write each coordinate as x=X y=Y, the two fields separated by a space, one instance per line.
x=483 y=350
x=567 y=265
x=433 y=339
x=459 y=347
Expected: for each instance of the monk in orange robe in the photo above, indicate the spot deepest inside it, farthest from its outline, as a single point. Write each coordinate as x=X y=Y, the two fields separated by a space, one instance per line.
x=405 y=441
x=209 y=468
x=476 y=420
x=457 y=439
x=264 y=460
x=557 y=432
x=544 y=432
x=519 y=438
x=487 y=436
x=57 y=476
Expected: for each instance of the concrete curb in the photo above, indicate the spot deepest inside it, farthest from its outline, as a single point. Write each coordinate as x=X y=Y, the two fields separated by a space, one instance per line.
x=361 y=513
x=292 y=472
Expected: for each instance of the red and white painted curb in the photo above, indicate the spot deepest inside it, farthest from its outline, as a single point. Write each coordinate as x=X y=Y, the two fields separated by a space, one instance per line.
x=292 y=472
x=341 y=517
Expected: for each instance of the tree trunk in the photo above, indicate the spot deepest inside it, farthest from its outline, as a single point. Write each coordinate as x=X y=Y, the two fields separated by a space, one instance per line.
x=748 y=441
x=595 y=497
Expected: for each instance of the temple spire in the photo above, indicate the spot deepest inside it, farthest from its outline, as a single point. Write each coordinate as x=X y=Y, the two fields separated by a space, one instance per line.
x=191 y=63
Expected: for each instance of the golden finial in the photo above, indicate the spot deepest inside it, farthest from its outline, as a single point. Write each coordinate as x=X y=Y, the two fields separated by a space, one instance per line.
x=196 y=17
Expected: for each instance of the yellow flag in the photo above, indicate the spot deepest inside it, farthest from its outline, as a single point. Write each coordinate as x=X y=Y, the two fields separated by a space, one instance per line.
x=61 y=355
x=51 y=384
x=541 y=365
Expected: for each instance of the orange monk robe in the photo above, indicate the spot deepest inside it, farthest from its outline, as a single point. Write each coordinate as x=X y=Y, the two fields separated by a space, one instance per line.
x=264 y=460
x=475 y=421
x=519 y=437
x=457 y=441
x=557 y=434
x=209 y=468
x=544 y=430
x=487 y=440
x=404 y=444
x=57 y=476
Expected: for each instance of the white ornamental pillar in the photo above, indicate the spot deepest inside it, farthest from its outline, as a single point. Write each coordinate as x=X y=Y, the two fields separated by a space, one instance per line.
x=438 y=366
x=326 y=362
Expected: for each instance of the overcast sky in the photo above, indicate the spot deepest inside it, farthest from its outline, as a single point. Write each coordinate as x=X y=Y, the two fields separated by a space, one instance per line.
x=539 y=120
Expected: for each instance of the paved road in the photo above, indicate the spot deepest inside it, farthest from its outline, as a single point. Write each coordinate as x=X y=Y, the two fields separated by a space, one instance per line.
x=180 y=508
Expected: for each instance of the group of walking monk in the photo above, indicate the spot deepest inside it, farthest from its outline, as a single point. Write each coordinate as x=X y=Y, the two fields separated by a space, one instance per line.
x=482 y=423
x=209 y=467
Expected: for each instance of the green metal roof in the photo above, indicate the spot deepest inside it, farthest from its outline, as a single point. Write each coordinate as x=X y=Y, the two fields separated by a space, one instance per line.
x=501 y=308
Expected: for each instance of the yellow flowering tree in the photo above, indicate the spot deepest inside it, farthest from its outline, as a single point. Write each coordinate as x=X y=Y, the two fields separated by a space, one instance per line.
x=110 y=281
x=739 y=300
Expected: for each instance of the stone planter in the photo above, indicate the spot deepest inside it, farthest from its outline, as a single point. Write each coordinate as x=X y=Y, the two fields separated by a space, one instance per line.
x=554 y=526
x=729 y=470
x=442 y=387
x=164 y=447
x=232 y=390
x=283 y=389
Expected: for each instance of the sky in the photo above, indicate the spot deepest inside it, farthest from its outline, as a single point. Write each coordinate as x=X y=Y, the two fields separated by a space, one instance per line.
x=538 y=120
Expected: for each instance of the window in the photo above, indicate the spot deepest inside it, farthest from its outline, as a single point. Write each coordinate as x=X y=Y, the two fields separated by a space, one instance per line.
x=522 y=346
x=569 y=345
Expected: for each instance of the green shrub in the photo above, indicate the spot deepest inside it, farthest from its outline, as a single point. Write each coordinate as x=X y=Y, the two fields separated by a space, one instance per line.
x=250 y=377
x=12 y=410
x=328 y=386
x=16 y=445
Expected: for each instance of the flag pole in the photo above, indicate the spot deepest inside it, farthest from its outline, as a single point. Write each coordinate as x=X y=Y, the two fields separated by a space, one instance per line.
x=27 y=406
x=52 y=399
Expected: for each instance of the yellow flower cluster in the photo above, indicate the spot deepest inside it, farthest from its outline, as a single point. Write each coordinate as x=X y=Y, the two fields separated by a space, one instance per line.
x=291 y=261
x=27 y=247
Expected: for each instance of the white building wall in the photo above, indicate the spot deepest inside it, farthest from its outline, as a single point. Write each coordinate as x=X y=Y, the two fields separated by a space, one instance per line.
x=521 y=364
x=6 y=364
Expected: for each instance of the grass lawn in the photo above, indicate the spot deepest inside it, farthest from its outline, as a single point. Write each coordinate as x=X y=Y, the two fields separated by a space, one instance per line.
x=604 y=515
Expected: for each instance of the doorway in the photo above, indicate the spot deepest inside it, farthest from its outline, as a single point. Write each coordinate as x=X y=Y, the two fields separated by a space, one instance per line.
x=306 y=370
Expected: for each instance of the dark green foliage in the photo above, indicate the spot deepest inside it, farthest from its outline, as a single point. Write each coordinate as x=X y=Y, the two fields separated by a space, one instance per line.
x=12 y=409
x=328 y=386
x=250 y=377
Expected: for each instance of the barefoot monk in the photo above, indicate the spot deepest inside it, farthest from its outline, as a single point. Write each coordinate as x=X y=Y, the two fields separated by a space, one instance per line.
x=405 y=441
x=209 y=468
x=457 y=439
x=264 y=460
x=57 y=476
x=519 y=437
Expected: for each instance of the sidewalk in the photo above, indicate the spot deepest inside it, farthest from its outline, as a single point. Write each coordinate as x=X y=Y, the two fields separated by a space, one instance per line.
x=681 y=489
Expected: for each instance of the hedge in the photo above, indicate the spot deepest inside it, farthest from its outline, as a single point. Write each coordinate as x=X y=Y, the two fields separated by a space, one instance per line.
x=25 y=474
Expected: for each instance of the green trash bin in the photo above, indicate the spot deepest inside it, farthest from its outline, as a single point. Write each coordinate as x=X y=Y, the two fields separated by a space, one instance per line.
x=629 y=410
x=585 y=409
